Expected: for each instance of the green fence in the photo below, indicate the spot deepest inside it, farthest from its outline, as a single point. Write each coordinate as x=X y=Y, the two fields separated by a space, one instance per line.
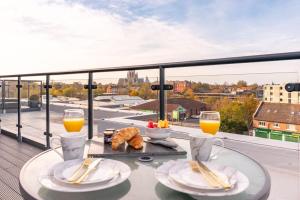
x=292 y=138
x=263 y=133
x=277 y=135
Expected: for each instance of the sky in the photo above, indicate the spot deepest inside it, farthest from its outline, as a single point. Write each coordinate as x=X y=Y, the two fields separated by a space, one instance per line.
x=60 y=35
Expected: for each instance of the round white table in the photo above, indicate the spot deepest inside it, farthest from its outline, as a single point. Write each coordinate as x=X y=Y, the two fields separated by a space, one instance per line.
x=142 y=183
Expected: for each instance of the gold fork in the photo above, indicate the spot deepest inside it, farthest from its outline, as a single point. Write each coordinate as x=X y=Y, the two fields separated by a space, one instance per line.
x=84 y=165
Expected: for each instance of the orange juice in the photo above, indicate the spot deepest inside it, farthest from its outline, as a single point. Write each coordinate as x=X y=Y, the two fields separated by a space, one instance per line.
x=74 y=124
x=210 y=126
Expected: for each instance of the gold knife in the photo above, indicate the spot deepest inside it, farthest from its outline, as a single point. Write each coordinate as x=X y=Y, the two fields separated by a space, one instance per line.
x=197 y=168
x=84 y=165
x=92 y=167
x=219 y=180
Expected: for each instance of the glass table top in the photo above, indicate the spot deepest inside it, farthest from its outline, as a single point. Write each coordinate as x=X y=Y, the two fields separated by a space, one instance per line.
x=142 y=183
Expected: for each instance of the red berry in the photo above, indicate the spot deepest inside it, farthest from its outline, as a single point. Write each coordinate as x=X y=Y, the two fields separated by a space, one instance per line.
x=150 y=124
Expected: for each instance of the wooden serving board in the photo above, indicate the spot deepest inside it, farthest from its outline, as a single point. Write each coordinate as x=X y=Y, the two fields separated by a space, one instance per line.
x=99 y=149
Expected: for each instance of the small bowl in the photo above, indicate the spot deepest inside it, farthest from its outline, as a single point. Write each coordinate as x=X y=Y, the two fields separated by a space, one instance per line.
x=157 y=133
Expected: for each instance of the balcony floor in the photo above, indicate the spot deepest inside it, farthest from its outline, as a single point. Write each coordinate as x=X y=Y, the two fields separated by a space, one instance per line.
x=13 y=156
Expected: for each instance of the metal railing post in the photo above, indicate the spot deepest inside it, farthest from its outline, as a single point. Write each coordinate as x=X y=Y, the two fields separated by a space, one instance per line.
x=161 y=93
x=47 y=132
x=41 y=94
x=19 y=109
x=1 y=104
x=3 y=96
x=90 y=106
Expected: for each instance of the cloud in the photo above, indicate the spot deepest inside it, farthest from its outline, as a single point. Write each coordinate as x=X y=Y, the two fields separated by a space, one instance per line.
x=249 y=26
x=59 y=35
x=56 y=35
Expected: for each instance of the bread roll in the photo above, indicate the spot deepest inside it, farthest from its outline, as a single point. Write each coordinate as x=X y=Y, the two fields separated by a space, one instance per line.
x=123 y=135
x=136 y=142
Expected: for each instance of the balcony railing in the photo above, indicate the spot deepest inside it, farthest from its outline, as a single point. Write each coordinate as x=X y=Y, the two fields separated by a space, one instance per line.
x=90 y=86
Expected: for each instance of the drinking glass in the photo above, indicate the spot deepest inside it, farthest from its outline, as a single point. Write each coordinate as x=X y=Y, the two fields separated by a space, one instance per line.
x=209 y=122
x=73 y=120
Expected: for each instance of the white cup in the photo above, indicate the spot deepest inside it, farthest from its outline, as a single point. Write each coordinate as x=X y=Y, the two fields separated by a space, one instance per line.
x=72 y=145
x=201 y=146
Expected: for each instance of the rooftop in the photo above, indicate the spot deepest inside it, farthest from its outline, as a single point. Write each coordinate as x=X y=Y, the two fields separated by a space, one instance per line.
x=187 y=104
x=278 y=112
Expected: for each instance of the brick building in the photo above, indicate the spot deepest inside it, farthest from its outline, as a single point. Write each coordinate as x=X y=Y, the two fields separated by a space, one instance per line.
x=277 y=120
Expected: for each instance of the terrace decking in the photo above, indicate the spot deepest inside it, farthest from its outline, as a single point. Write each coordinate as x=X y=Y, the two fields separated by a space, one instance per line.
x=13 y=156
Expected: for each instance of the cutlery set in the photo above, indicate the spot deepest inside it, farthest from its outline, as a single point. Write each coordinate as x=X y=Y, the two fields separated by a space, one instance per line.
x=212 y=178
x=85 y=164
x=88 y=165
x=199 y=179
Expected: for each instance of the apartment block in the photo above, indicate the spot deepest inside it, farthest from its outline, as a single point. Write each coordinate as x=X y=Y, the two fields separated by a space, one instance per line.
x=276 y=93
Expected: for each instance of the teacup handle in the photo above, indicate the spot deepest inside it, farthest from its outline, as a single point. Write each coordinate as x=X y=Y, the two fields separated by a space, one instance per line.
x=54 y=149
x=217 y=140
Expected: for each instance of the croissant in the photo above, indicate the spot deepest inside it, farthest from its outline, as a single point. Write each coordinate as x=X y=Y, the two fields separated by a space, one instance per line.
x=123 y=135
x=136 y=142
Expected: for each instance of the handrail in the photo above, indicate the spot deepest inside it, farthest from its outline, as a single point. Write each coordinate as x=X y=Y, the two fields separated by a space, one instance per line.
x=160 y=66
x=205 y=62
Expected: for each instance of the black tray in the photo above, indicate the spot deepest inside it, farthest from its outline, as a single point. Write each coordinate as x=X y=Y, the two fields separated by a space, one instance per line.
x=99 y=149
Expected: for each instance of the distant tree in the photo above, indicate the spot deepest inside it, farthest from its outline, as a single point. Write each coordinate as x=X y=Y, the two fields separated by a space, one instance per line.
x=133 y=93
x=145 y=91
x=100 y=90
x=241 y=83
x=200 y=87
x=188 y=93
x=236 y=115
x=250 y=104
x=69 y=92
x=232 y=118
x=254 y=86
x=211 y=101
x=56 y=92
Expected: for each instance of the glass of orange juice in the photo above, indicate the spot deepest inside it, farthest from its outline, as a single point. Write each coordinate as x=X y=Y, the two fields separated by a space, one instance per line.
x=209 y=122
x=73 y=120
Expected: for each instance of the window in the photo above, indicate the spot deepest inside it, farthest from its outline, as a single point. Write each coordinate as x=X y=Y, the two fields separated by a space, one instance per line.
x=280 y=99
x=281 y=87
x=261 y=123
x=276 y=125
x=290 y=127
x=290 y=95
x=280 y=93
x=271 y=93
x=290 y=101
x=271 y=99
x=266 y=99
x=271 y=88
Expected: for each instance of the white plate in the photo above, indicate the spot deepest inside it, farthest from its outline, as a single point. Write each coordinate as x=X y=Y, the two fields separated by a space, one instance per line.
x=162 y=175
x=183 y=174
x=104 y=172
x=47 y=180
